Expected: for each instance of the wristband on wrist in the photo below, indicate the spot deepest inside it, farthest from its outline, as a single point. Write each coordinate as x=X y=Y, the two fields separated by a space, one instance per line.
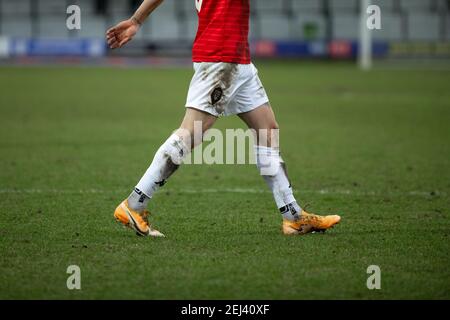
x=136 y=20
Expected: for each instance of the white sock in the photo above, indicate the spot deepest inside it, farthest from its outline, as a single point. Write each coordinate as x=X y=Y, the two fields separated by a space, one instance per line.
x=273 y=170
x=137 y=200
x=166 y=161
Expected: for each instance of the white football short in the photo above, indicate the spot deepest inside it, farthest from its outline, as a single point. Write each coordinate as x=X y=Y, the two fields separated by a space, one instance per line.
x=221 y=88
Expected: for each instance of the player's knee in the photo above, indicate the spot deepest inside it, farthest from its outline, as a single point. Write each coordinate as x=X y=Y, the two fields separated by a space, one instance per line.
x=192 y=131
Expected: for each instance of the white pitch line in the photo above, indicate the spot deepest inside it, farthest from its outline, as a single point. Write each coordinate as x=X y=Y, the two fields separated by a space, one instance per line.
x=415 y=193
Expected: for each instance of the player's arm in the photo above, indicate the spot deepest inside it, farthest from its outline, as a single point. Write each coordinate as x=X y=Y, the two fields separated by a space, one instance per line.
x=124 y=31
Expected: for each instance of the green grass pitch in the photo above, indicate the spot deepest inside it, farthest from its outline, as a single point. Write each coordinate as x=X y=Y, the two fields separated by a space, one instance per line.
x=373 y=147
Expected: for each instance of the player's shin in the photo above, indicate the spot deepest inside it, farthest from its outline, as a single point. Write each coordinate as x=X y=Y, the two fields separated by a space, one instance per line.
x=273 y=170
x=166 y=161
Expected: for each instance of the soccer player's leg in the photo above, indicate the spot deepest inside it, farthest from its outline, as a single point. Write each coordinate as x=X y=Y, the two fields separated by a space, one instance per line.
x=273 y=169
x=132 y=212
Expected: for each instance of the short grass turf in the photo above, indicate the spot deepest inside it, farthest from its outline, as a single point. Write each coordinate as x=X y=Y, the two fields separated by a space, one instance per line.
x=373 y=147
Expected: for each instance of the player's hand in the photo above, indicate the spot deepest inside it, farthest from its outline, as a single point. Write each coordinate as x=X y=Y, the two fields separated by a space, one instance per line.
x=121 y=33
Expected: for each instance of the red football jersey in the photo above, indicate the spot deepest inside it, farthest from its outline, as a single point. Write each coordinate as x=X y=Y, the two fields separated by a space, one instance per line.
x=222 y=34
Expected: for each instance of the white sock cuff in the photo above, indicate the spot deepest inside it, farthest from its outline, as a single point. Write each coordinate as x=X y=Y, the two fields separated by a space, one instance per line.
x=176 y=148
x=269 y=151
x=268 y=160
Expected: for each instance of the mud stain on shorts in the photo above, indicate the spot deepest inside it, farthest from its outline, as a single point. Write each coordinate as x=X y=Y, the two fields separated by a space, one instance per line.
x=223 y=80
x=205 y=71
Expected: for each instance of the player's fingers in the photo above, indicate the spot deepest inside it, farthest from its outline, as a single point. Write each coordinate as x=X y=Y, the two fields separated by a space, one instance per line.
x=114 y=35
x=112 y=40
x=111 y=30
x=124 y=41
x=114 y=45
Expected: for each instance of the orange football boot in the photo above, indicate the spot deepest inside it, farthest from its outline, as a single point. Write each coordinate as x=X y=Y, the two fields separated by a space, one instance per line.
x=309 y=223
x=135 y=220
